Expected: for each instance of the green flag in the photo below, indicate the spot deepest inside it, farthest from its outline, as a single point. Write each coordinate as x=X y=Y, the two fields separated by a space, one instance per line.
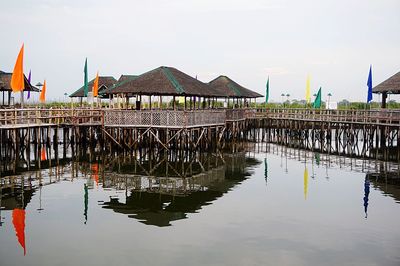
x=85 y=84
x=317 y=102
x=267 y=91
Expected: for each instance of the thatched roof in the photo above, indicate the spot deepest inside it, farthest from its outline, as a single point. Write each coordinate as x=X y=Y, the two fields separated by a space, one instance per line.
x=126 y=77
x=5 y=79
x=224 y=86
x=105 y=82
x=391 y=85
x=122 y=80
x=163 y=81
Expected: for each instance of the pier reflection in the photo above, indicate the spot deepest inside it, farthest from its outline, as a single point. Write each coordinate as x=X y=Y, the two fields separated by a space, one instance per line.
x=159 y=188
x=158 y=201
x=379 y=175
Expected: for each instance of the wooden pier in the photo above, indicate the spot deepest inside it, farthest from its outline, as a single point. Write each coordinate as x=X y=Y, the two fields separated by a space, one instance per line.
x=360 y=133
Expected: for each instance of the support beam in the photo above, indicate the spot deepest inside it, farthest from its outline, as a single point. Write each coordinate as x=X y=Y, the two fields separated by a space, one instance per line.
x=384 y=97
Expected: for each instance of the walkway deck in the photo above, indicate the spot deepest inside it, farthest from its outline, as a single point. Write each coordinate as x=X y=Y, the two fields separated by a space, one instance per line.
x=38 y=117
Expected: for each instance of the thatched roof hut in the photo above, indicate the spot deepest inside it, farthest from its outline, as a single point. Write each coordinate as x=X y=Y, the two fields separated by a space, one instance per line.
x=126 y=77
x=224 y=86
x=122 y=80
x=164 y=81
x=105 y=82
x=389 y=86
x=5 y=79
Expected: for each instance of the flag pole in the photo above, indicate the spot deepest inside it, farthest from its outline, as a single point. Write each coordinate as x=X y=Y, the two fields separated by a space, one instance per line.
x=22 y=99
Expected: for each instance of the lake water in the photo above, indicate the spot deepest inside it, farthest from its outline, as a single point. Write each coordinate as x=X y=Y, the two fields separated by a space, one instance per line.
x=268 y=205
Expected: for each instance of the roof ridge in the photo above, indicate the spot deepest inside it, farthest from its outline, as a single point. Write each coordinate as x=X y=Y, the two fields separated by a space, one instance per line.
x=178 y=87
x=81 y=88
x=130 y=78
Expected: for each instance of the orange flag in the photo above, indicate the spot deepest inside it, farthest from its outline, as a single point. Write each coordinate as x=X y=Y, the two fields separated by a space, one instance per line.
x=96 y=85
x=18 y=219
x=17 y=79
x=42 y=97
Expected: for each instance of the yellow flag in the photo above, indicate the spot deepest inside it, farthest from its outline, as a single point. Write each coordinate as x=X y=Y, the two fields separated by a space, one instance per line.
x=308 y=94
x=17 y=79
x=96 y=85
x=305 y=182
x=42 y=97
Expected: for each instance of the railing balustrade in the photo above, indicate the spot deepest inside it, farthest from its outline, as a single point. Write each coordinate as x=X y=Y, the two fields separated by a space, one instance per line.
x=188 y=118
x=39 y=116
x=391 y=117
x=164 y=118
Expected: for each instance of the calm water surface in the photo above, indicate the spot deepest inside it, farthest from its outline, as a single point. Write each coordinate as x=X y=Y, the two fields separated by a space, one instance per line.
x=267 y=206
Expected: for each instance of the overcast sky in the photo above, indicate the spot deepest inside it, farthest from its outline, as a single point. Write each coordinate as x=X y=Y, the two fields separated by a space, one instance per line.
x=334 y=41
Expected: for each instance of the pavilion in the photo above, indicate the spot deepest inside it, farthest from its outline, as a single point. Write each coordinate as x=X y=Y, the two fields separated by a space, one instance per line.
x=5 y=79
x=105 y=82
x=223 y=86
x=389 y=86
x=162 y=81
x=171 y=82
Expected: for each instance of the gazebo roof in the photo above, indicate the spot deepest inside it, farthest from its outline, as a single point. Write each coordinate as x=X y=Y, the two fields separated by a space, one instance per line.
x=224 y=86
x=126 y=77
x=105 y=82
x=5 y=79
x=391 y=85
x=162 y=81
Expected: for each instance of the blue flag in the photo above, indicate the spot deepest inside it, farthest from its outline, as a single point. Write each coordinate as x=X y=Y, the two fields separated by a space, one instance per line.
x=369 y=84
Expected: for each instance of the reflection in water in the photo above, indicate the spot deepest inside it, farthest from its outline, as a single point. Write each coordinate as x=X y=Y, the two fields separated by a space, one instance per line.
x=266 y=171
x=95 y=171
x=86 y=202
x=305 y=182
x=43 y=154
x=317 y=158
x=386 y=182
x=366 y=194
x=18 y=220
x=160 y=190
x=160 y=200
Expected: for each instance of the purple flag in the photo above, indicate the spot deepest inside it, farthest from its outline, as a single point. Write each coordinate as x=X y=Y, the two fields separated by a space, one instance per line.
x=29 y=81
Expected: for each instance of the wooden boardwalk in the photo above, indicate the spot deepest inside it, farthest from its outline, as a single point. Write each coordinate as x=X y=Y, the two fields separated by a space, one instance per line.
x=359 y=117
x=330 y=131
x=36 y=117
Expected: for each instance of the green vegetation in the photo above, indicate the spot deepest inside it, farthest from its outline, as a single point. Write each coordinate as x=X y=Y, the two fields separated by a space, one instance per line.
x=343 y=104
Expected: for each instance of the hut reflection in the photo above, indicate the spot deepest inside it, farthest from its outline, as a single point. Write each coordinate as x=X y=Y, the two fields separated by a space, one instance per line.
x=160 y=200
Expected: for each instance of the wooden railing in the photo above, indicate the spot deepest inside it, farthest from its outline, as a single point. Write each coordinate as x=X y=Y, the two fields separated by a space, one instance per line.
x=40 y=116
x=163 y=118
x=189 y=118
x=391 y=117
x=240 y=114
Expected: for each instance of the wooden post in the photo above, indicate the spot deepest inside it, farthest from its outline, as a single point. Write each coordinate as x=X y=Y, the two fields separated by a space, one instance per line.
x=150 y=102
x=185 y=104
x=384 y=97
